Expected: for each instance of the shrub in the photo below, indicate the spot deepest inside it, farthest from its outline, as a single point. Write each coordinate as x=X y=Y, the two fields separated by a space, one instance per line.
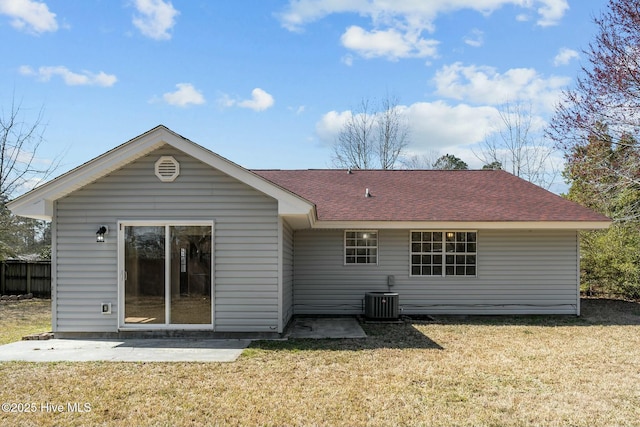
x=610 y=261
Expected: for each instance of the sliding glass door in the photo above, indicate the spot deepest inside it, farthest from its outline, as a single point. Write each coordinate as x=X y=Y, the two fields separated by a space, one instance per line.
x=144 y=274
x=167 y=275
x=190 y=269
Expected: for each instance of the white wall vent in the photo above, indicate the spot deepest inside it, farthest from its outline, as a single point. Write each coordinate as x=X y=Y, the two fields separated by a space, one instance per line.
x=167 y=169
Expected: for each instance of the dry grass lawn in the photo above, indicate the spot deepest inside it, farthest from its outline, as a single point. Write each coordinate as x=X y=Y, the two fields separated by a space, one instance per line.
x=507 y=371
x=20 y=318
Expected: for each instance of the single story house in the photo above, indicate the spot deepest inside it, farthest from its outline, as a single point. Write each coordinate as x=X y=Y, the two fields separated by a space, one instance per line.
x=161 y=234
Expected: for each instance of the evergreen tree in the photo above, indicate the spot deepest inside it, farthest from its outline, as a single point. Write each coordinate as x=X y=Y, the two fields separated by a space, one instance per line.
x=450 y=162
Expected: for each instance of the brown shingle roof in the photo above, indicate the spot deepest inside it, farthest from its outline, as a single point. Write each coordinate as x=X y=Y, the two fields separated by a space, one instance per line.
x=426 y=195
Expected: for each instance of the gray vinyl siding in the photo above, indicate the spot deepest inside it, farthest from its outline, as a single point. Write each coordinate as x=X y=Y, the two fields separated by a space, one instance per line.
x=518 y=272
x=245 y=242
x=287 y=273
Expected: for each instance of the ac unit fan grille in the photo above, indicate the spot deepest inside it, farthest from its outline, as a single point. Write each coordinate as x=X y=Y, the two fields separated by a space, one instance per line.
x=381 y=305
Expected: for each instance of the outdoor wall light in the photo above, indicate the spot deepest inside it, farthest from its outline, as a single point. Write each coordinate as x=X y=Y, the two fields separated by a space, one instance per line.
x=101 y=232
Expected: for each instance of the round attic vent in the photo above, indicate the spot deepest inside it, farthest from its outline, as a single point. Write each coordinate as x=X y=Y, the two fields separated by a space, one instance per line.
x=167 y=169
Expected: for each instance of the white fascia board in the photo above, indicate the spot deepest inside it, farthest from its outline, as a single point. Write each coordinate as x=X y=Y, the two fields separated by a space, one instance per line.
x=457 y=225
x=292 y=207
x=38 y=203
x=40 y=209
x=299 y=222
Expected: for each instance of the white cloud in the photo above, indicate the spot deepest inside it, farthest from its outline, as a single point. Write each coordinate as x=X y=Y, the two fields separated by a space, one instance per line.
x=84 y=78
x=436 y=128
x=186 y=95
x=551 y=12
x=301 y=12
x=433 y=125
x=260 y=101
x=226 y=101
x=565 y=56
x=485 y=85
x=396 y=28
x=475 y=38
x=155 y=18
x=347 y=60
x=330 y=125
x=411 y=14
x=389 y=43
x=29 y=15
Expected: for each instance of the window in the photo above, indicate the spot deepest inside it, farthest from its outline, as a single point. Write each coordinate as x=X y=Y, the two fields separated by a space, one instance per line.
x=443 y=253
x=361 y=247
x=426 y=253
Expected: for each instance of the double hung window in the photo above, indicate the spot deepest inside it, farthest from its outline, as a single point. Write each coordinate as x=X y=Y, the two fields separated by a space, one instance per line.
x=443 y=253
x=360 y=247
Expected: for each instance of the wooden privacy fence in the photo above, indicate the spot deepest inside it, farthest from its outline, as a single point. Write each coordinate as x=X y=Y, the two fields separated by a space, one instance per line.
x=25 y=277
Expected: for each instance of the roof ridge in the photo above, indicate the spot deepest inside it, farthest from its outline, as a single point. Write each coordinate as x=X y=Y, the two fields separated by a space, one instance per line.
x=378 y=170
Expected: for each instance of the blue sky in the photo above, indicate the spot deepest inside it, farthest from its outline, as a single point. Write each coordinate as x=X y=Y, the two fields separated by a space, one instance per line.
x=268 y=83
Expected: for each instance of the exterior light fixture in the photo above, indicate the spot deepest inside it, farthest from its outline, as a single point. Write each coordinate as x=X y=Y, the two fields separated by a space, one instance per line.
x=101 y=232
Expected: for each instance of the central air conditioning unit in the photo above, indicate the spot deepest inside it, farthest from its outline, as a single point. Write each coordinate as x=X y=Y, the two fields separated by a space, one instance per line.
x=381 y=305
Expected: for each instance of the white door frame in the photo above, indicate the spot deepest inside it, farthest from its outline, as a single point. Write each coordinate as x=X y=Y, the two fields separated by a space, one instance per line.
x=122 y=326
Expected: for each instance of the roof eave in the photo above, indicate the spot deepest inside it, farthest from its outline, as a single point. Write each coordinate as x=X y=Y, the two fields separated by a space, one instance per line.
x=38 y=203
x=468 y=225
x=40 y=209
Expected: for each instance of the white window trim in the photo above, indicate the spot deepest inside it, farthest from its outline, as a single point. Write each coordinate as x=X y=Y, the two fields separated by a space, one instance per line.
x=444 y=253
x=344 y=247
x=122 y=326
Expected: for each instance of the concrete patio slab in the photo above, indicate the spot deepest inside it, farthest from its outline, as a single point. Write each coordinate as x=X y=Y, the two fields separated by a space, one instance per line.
x=320 y=327
x=129 y=350
x=167 y=349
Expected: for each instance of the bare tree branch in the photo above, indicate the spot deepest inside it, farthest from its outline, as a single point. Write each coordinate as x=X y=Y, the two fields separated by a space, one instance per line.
x=372 y=135
x=420 y=161
x=19 y=144
x=598 y=122
x=518 y=149
x=393 y=133
x=353 y=148
x=20 y=170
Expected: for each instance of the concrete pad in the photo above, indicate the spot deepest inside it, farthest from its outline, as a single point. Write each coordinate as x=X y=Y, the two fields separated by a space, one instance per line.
x=128 y=350
x=320 y=327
